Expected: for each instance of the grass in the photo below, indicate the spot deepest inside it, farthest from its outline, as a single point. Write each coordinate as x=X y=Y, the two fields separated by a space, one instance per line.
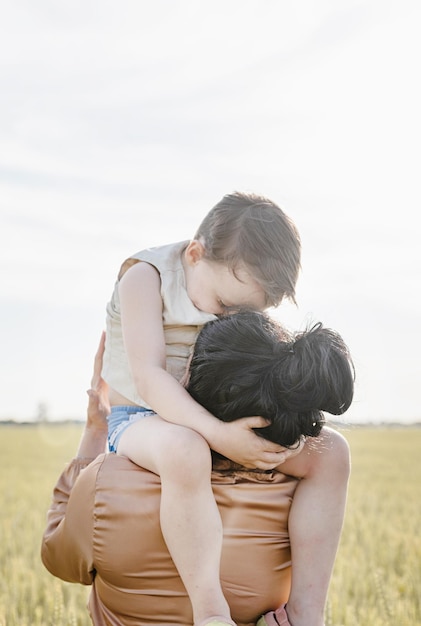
x=31 y=460
x=377 y=577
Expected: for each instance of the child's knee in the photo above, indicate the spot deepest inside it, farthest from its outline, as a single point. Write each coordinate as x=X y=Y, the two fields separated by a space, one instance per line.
x=186 y=456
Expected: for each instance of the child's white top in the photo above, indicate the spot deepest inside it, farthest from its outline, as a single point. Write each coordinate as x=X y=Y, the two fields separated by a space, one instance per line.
x=182 y=322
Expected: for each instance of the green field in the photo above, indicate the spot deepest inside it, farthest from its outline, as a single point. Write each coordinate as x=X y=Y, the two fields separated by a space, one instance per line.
x=377 y=580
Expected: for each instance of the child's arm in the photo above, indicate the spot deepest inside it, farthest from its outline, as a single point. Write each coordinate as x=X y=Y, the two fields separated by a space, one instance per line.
x=141 y=314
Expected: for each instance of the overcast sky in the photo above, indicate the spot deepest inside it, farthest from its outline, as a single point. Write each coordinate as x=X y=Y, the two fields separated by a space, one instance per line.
x=123 y=123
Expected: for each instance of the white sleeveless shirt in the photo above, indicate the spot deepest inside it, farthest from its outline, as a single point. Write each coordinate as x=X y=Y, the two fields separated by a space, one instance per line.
x=182 y=322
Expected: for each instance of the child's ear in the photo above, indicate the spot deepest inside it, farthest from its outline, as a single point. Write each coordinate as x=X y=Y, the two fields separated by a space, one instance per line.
x=194 y=251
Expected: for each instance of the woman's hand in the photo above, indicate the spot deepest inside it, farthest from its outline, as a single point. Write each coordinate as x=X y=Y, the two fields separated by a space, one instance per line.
x=240 y=443
x=94 y=436
x=98 y=405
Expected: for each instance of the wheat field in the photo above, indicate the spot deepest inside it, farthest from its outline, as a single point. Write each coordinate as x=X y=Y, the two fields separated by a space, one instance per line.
x=377 y=577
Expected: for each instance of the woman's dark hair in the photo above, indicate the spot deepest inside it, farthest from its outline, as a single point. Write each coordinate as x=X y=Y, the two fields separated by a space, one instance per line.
x=247 y=364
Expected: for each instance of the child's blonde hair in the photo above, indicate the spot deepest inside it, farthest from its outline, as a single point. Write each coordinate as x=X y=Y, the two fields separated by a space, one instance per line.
x=250 y=230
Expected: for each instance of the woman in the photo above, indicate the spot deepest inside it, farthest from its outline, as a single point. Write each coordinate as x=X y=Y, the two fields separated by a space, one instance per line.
x=103 y=527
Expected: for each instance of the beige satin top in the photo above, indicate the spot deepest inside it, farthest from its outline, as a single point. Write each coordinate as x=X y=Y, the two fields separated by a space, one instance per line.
x=182 y=322
x=103 y=529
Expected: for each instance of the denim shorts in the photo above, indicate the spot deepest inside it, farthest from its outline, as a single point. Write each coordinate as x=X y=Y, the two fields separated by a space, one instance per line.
x=120 y=418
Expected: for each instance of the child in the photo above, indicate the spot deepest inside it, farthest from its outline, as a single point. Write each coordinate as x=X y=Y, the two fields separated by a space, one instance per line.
x=245 y=254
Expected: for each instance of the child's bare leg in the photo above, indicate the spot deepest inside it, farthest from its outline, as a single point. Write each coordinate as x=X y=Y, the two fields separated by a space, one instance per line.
x=190 y=520
x=315 y=523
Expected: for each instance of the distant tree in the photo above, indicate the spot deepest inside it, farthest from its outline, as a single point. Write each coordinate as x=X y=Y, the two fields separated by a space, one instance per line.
x=42 y=412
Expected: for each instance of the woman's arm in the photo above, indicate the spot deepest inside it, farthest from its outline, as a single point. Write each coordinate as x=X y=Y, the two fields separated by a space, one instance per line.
x=66 y=549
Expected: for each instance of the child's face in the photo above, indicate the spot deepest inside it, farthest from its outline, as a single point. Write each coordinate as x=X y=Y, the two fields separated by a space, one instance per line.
x=213 y=288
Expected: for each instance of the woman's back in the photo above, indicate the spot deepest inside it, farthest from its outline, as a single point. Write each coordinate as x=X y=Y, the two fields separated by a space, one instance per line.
x=113 y=518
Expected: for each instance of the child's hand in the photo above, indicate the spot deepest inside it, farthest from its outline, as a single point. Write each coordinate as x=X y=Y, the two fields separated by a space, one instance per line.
x=241 y=444
x=98 y=406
